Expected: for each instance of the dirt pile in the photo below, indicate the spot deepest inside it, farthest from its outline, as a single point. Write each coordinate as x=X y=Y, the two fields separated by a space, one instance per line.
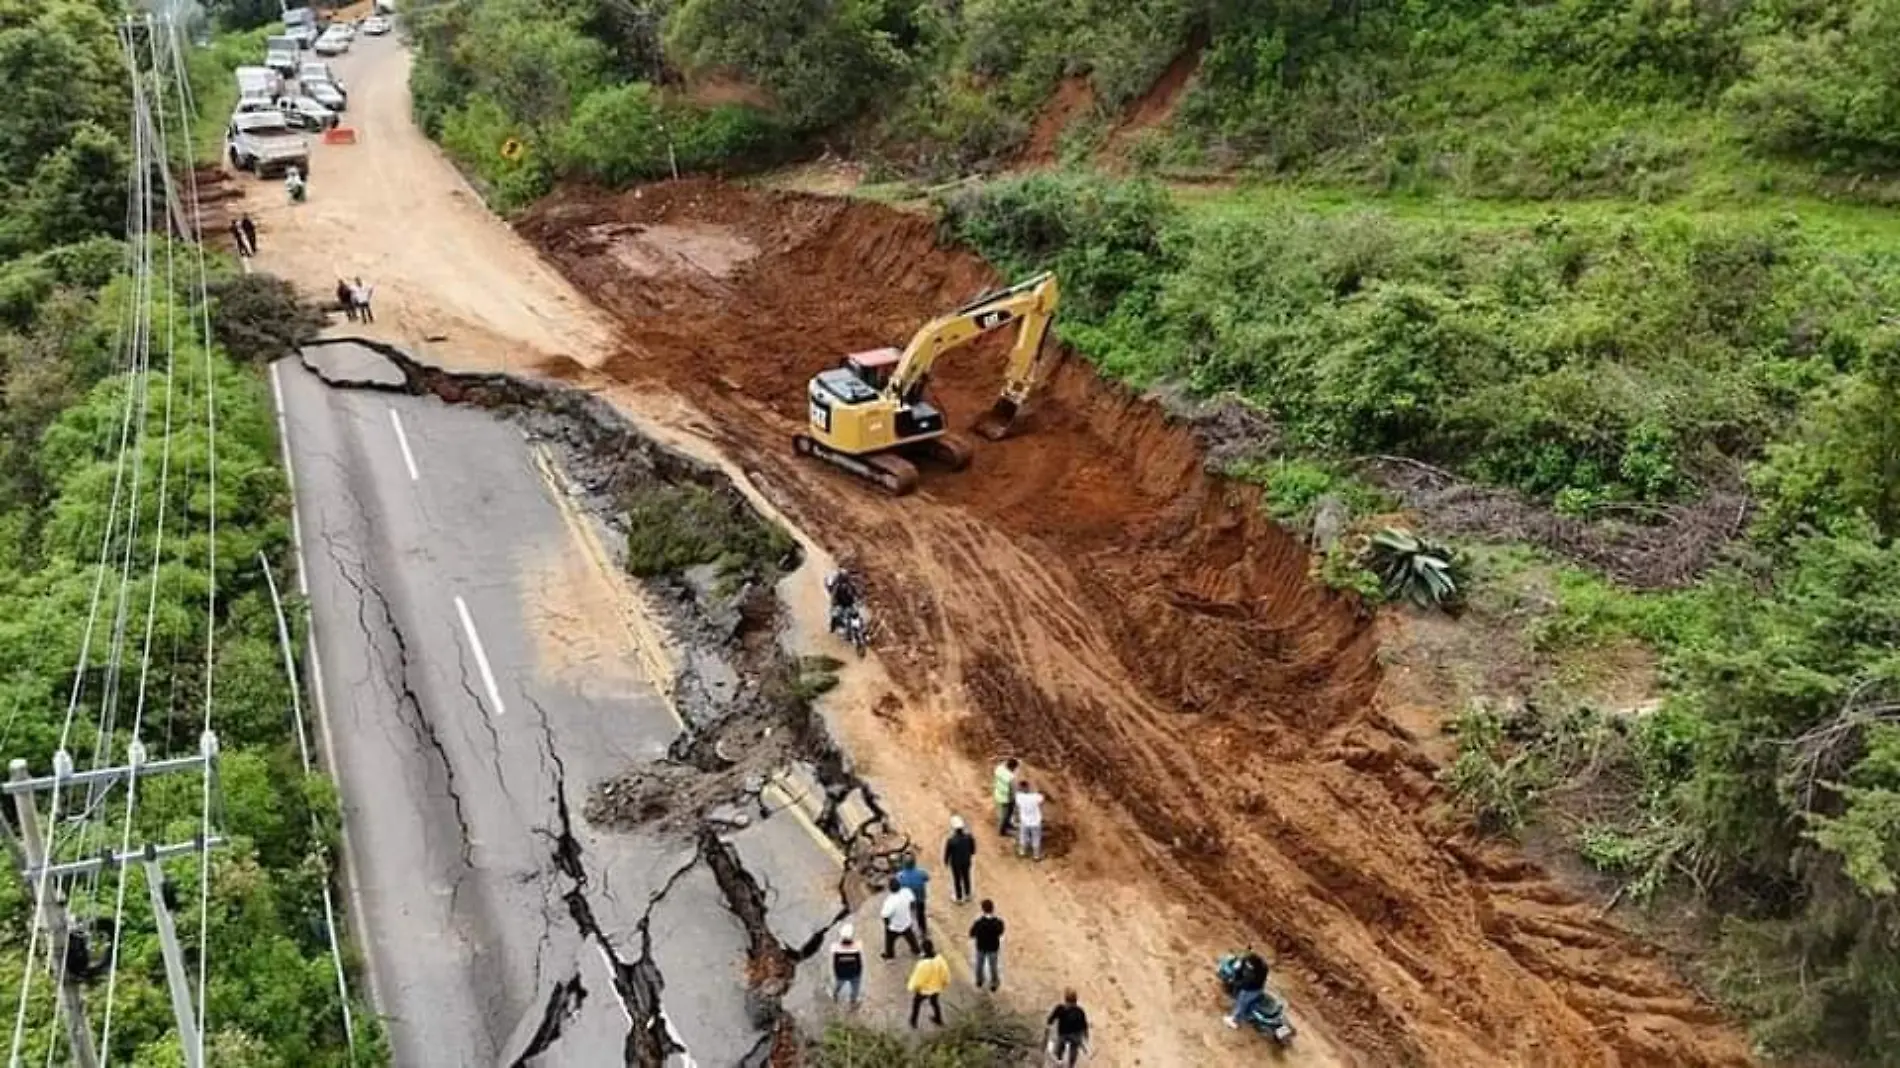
x=1101 y=605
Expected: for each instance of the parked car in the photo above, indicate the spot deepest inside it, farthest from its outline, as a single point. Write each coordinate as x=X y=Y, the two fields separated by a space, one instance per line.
x=299 y=112
x=283 y=62
x=332 y=44
x=376 y=25
x=345 y=30
x=310 y=112
x=305 y=36
x=318 y=71
x=325 y=93
x=264 y=143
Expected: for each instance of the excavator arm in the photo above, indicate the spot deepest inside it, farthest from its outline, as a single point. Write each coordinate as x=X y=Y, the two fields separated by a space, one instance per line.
x=1031 y=303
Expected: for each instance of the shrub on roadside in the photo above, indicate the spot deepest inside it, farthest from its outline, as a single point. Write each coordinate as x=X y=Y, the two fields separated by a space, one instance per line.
x=674 y=527
x=258 y=318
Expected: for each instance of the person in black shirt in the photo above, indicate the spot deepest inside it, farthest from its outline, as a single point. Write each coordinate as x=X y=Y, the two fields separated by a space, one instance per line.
x=847 y=966
x=1071 y=1027
x=958 y=851
x=987 y=934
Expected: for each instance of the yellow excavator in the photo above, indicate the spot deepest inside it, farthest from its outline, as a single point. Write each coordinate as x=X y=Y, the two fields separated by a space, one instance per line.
x=869 y=415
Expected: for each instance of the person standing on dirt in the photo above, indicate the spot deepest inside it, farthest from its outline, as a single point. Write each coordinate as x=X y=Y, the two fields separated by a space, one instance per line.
x=1069 y=1026
x=900 y=921
x=237 y=235
x=1250 y=986
x=917 y=881
x=1003 y=792
x=1029 y=811
x=929 y=978
x=847 y=966
x=249 y=230
x=959 y=851
x=986 y=937
x=346 y=297
x=361 y=294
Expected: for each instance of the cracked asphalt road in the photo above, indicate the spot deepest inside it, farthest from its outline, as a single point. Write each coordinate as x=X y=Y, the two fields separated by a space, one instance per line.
x=463 y=739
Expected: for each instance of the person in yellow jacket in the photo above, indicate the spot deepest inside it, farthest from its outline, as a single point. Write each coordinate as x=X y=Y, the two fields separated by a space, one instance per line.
x=929 y=978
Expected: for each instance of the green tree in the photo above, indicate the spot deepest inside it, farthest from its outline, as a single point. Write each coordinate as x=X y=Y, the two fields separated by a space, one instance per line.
x=61 y=63
x=79 y=190
x=822 y=60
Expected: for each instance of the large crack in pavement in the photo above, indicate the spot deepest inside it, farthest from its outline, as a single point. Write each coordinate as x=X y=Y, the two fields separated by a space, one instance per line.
x=748 y=731
x=418 y=719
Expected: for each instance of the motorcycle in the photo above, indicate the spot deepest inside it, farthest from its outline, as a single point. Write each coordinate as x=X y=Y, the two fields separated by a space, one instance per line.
x=853 y=627
x=1268 y=1015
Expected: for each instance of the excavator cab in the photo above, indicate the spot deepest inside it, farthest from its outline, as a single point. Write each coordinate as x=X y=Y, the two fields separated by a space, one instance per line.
x=868 y=414
x=874 y=368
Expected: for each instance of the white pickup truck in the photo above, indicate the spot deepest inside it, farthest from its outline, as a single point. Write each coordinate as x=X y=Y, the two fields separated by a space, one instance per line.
x=264 y=143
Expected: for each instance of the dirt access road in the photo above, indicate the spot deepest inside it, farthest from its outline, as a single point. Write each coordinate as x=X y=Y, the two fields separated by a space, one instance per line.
x=1207 y=722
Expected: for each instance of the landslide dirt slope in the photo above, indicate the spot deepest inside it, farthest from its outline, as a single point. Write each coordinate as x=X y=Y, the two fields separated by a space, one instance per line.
x=1102 y=607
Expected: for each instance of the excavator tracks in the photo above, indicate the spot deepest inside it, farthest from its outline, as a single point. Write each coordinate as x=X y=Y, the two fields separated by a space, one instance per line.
x=887 y=471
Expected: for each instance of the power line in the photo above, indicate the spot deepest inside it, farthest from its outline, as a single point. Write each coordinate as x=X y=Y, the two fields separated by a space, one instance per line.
x=160 y=147
x=136 y=209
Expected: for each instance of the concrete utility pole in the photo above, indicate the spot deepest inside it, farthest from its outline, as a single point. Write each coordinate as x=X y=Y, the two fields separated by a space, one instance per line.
x=38 y=867
x=174 y=959
x=72 y=1000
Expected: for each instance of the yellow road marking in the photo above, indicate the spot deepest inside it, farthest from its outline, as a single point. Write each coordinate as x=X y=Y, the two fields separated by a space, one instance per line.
x=649 y=642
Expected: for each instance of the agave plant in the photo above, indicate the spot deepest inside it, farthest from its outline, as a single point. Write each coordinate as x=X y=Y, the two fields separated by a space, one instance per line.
x=1414 y=569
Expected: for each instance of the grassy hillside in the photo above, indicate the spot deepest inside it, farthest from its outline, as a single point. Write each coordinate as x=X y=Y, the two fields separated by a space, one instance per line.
x=1648 y=100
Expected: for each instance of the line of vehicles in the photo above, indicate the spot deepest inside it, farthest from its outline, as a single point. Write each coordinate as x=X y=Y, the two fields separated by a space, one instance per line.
x=294 y=92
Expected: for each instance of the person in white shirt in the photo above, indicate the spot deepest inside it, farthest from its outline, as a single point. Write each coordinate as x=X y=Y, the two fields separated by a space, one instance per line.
x=1029 y=820
x=899 y=920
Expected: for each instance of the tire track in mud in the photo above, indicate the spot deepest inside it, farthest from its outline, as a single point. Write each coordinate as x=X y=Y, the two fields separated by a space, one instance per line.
x=1103 y=607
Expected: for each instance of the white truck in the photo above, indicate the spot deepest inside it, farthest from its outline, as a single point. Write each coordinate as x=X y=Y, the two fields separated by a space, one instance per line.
x=259 y=81
x=263 y=143
x=282 y=54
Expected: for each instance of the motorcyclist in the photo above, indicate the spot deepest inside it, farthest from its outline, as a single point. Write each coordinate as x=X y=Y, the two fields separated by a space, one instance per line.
x=842 y=586
x=1250 y=986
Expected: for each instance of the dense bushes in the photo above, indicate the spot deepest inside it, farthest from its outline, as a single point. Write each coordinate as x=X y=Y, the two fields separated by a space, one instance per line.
x=1546 y=100
x=1580 y=361
x=1827 y=85
x=574 y=89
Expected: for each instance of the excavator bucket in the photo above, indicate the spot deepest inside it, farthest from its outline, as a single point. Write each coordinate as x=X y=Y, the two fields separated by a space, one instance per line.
x=997 y=423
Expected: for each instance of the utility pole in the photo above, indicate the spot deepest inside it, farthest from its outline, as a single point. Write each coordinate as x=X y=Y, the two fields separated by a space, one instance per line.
x=174 y=959
x=39 y=868
x=72 y=1000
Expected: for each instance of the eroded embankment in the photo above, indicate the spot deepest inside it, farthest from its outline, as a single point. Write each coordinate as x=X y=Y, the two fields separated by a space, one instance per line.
x=1102 y=606
x=752 y=742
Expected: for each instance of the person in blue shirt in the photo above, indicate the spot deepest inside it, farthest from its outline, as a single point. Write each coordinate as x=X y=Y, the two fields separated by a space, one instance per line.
x=915 y=879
